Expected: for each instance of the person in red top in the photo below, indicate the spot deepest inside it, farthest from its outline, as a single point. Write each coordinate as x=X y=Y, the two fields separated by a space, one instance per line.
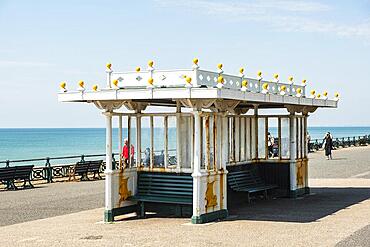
x=125 y=153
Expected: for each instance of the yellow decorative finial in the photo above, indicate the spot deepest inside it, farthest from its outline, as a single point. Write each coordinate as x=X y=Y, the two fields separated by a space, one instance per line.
x=241 y=70
x=81 y=83
x=336 y=95
x=137 y=69
x=63 y=85
x=195 y=61
x=276 y=76
x=219 y=66
x=325 y=93
x=299 y=91
x=313 y=92
x=318 y=96
x=150 y=81
x=244 y=83
x=115 y=82
x=290 y=78
x=188 y=79
x=109 y=66
x=282 y=90
x=265 y=86
x=95 y=87
x=259 y=73
x=151 y=63
x=220 y=79
x=304 y=81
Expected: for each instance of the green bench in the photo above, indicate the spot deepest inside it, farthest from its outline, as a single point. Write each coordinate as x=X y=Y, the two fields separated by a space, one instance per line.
x=82 y=169
x=248 y=181
x=169 y=188
x=8 y=176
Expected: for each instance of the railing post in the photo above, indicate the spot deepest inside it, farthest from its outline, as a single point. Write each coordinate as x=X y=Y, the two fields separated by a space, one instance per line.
x=7 y=182
x=82 y=158
x=113 y=162
x=49 y=171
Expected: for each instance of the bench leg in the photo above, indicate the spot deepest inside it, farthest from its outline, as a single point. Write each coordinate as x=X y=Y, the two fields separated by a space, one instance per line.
x=141 y=210
x=178 y=212
x=29 y=182
x=12 y=185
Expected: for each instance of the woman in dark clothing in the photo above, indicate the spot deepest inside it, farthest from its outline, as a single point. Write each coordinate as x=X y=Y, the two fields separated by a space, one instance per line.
x=328 y=145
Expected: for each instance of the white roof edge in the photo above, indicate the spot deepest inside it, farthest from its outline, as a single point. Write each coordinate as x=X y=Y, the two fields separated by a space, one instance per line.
x=190 y=93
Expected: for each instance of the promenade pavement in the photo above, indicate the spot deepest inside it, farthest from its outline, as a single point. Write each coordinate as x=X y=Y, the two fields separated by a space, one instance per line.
x=337 y=212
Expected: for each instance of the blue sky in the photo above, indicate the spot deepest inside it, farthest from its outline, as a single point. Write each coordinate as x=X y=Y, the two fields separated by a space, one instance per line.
x=45 y=42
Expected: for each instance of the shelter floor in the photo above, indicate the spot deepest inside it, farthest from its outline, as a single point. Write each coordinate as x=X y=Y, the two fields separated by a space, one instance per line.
x=330 y=215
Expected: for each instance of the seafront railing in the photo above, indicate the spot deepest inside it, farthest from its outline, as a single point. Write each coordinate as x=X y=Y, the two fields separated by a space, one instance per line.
x=45 y=170
x=341 y=142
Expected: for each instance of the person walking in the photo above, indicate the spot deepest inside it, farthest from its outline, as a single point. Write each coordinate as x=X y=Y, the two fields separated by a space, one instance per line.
x=270 y=144
x=328 y=145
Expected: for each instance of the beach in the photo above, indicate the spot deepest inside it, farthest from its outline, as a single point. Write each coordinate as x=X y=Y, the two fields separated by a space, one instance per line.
x=336 y=212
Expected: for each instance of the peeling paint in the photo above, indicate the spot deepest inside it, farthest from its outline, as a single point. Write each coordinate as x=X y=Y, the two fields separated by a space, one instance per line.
x=211 y=198
x=123 y=191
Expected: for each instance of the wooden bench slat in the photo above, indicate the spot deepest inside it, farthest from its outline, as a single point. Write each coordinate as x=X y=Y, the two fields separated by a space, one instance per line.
x=248 y=181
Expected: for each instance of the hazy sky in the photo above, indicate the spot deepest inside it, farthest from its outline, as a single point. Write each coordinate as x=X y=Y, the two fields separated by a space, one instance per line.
x=45 y=42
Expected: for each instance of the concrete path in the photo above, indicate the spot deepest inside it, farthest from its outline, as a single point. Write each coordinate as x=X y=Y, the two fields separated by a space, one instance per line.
x=47 y=200
x=336 y=212
x=327 y=217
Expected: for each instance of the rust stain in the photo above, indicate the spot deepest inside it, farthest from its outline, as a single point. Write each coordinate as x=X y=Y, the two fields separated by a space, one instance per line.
x=208 y=151
x=221 y=188
x=301 y=172
x=214 y=142
x=124 y=192
x=211 y=198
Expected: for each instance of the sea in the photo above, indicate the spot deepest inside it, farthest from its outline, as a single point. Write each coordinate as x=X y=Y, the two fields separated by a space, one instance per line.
x=29 y=143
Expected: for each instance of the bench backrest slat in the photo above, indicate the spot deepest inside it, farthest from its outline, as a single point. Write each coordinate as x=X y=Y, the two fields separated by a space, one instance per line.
x=165 y=185
x=245 y=178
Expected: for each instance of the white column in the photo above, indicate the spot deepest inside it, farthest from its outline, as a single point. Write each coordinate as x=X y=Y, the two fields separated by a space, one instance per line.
x=197 y=164
x=108 y=159
x=165 y=141
x=120 y=140
x=151 y=142
x=179 y=138
x=292 y=152
x=254 y=140
x=129 y=165
x=224 y=156
x=138 y=140
x=237 y=138
x=224 y=141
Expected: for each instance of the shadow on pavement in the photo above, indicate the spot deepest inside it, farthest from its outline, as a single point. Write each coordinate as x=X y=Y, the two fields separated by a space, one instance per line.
x=320 y=203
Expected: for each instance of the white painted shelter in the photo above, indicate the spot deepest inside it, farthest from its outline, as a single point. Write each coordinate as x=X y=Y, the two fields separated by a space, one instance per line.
x=215 y=124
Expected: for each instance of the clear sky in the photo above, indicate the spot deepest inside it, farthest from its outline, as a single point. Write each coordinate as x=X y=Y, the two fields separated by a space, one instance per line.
x=45 y=42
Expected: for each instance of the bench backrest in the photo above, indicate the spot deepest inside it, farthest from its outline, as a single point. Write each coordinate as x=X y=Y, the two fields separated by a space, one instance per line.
x=81 y=167
x=7 y=173
x=94 y=165
x=23 y=172
x=168 y=185
x=245 y=178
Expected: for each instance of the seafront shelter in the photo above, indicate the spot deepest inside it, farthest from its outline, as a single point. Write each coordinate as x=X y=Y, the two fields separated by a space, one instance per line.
x=209 y=127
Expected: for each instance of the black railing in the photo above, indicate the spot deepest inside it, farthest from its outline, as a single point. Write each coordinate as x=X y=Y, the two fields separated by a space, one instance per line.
x=48 y=171
x=343 y=142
